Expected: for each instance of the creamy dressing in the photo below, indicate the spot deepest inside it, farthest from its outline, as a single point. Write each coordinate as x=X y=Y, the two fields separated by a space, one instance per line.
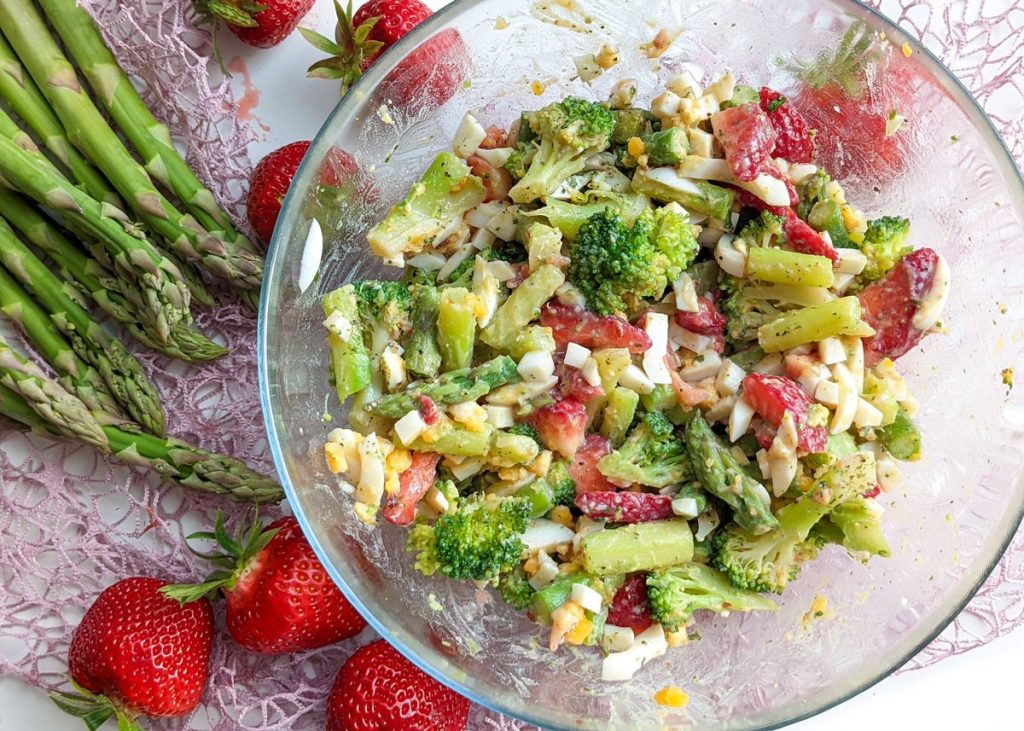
x=929 y=310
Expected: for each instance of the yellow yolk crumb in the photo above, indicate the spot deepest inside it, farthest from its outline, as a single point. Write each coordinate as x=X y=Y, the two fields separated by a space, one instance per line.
x=635 y=146
x=907 y=50
x=579 y=634
x=1008 y=377
x=672 y=697
x=538 y=87
x=335 y=455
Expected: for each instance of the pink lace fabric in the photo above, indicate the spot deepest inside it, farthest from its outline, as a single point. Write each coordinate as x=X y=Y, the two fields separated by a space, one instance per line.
x=72 y=522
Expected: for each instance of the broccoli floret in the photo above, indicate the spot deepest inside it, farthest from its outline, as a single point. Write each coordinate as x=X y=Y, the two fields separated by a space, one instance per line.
x=615 y=266
x=563 y=486
x=765 y=229
x=478 y=541
x=514 y=588
x=652 y=455
x=432 y=210
x=885 y=243
x=568 y=132
x=675 y=594
x=526 y=430
x=861 y=527
x=519 y=160
x=569 y=217
x=768 y=562
x=386 y=303
x=744 y=313
x=813 y=189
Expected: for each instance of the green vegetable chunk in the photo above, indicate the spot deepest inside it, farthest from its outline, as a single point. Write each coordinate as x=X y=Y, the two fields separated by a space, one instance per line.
x=570 y=217
x=648 y=546
x=450 y=438
x=618 y=414
x=350 y=359
x=630 y=123
x=652 y=455
x=885 y=243
x=698 y=196
x=861 y=527
x=514 y=589
x=789 y=267
x=827 y=216
x=666 y=147
x=901 y=439
x=507 y=328
x=454 y=387
x=675 y=594
x=811 y=324
x=456 y=328
x=422 y=356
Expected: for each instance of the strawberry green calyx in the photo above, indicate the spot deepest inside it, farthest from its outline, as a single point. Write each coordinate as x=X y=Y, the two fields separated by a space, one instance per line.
x=233 y=12
x=235 y=555
x=95 y=709
x=351 y=50
x=845 y=67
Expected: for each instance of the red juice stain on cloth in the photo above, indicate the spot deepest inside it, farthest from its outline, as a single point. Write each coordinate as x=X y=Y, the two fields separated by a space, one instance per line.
x=250 y=94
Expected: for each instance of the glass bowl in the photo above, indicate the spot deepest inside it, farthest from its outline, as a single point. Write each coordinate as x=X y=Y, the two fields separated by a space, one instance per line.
x=949 y=522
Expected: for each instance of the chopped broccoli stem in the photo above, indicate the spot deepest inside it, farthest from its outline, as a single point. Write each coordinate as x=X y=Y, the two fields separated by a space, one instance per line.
x=861 y=527
x=630 y=123
x=433 y=206
x=648 y=546
x=748 y=358
x=522 y=307
x=699 y=197
x=811 y=324
x=512 y=449
x=450 y=438
x=789 y=267
x=651 y=455
x=662 y=398
x=674 y=594
x=350 y=360
x=667 y=146
x=719 y=472
x=901 y=438
x=826 y=216
x=454 y=387
x=456 y=328
x=618 y=414
x=534 y=337
x=569 y=217
x=789 y=294
x=540 y=495
x=422 y=357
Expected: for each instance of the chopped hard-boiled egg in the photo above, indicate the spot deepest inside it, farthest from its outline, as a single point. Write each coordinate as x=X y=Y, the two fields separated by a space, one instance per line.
x=739 y=419
x=393 y=366
x=586 y=597
x=649 y=644
x=831 y=351
x=656 y=327
x=705 y=365
x=500 y=417
x=373 y=450
x=470 y=414
x=617 y=639
x=730 y=378
x=686 y=293
x=536 y=366
x=468 y=136
x=590 y=372
x=338 y=324
x=546 y=571
x=576 y=355
x=410 y=427
x=636 y=380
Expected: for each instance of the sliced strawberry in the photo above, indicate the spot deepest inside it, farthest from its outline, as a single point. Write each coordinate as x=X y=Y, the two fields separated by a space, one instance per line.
x=413 y=484
x=689 y=396
x=707 y=320
x=572 y=384
x=496 y=137
x=803 y=238
x=576 y=325
x=429 y=410
x=497 y=181
x=747 y=136
x=873 y=492
x=562 y=426
x=625 y=507
x=764 y=432
x=629 y=606
x=773 y=396
x=583 y=468
x=794 y=142
x=889 y=306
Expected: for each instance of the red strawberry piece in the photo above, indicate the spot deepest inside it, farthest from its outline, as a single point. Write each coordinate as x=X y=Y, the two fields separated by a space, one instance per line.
x=390 y=19
x=889 y=306
x=773 y=396
x=576 y=325
x=413 y=484
x=873 y=492
x=137 y=651
x=496 y=137
x=687 y=394
x=707 y=320
x=572 y=384
x=625 y=507
x=279 y=596
x=267 y=27
x=429 y=410
x=805 y=239
x=497 y=181
x=269 y=185
x=562 y=426
x=793 y=142
x=629 y=605
x=583 y=467
x=747 y=136
x=377 y=689
x=764 y=432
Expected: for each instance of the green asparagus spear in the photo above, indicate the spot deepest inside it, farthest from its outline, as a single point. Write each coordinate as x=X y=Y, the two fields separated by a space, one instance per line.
x=164 y=295
x=150 y=138
x=25 y=99
x=465 y=384
x=48 y=399
x=27 y=33
x=422 y=356
x=456 y=328
x=719 y=472
x=124 y=376
x=83 y=275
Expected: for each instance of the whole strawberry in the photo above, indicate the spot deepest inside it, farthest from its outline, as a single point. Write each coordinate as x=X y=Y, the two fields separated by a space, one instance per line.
x=378 y=689
x=138 y=652
x=262 y=23
x=269 y=185
x=279 y=596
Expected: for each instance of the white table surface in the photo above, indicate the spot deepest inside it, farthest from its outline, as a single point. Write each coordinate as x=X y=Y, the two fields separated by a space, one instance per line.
x=978 y=690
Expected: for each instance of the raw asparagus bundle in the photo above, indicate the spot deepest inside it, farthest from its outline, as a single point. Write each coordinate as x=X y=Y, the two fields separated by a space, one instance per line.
x=83 y=275
x=86 y=127
x=123 y=374
x=28 y=396
x=165 y=296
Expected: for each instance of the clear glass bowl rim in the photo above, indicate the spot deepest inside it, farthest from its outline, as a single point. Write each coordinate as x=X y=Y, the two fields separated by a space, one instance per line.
x=374 y=75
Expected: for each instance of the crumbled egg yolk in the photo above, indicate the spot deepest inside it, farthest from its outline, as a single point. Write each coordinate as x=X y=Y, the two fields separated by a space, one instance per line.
x=542 y=463
x=635 y=146
x=470 y=414
x=672 y=697
x=335 y=455
x=855 y=222
x=563 y=516
x=538 y=87
x=907 y=50
x=564 y=620
x=1008 y=377
x=365 y=513
x=579 y=634
x=677 y=638
x=396 y=463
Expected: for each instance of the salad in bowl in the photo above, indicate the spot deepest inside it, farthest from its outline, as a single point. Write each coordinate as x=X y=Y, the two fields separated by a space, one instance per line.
x=637 y=364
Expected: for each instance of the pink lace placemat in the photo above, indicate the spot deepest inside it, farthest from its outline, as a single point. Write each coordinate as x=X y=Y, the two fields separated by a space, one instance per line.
x=71 y=523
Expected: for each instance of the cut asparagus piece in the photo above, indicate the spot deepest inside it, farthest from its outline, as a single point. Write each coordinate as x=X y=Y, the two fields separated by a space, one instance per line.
x=456 y=328
x=813 y=324
x=522 y=307
x=454 y=387
x=164 y=296
x=150 y=138
x=48 y=399
x=123 y=374
x=657 y=544
x=84 y=275
x=27 y=33
x=25 y=99
x=422 y=355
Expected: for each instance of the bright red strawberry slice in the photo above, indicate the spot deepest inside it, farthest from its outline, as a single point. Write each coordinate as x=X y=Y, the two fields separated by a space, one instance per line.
x=413 y=484
x=583 y=467
x=625 y=507
x=747 y=136
x=576 y=325
x=629 y=606
x=572 y=384
x=562 y=426
x=379 y=690
x=889 y=305
x=793 y=142
x=773 y=396
x=707 y=320
x=803 y=238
